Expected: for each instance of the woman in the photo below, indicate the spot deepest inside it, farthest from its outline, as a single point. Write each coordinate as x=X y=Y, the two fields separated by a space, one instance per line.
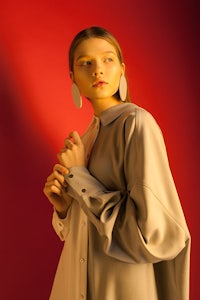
x=115 y=202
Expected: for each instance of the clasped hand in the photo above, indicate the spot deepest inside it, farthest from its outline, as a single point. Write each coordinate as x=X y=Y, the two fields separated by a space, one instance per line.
x=73 y=154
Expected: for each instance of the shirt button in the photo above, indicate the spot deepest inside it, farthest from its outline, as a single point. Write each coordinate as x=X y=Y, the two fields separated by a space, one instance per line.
x=71 y=176
x=83 y=190
x=82 y=260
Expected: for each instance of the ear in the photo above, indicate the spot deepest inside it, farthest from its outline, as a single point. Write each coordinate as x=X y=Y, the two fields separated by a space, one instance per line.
x=71 y=74
x=123 y=68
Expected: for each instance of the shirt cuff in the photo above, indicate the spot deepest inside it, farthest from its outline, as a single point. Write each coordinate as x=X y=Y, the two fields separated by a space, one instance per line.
x=61 y=226
x=81 y=182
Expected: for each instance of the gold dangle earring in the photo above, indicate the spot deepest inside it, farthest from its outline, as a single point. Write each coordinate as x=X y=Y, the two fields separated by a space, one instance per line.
x=123 y=88
x=76 y=96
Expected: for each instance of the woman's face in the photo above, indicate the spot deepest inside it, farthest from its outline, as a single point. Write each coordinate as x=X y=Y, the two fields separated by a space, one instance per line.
x=97 y=69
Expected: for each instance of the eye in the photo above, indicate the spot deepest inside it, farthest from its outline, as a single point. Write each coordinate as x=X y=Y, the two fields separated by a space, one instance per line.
x=108 y=59
x=86 y=63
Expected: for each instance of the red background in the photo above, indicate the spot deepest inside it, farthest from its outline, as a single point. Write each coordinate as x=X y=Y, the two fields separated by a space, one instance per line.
x=160 y=44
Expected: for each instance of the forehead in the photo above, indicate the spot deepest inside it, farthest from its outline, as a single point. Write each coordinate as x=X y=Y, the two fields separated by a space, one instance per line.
x=93 y=46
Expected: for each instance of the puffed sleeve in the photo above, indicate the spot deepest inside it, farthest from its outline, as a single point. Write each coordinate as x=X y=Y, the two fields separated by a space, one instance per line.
x=145 y=223
x=159 y=231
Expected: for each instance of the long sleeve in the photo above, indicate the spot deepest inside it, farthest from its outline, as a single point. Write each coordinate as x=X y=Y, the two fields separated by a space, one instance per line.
x=92 y=196
x=162 y=230
x=145 y=223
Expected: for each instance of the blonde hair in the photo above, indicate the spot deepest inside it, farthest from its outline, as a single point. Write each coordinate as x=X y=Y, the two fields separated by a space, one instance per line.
x=95 y=32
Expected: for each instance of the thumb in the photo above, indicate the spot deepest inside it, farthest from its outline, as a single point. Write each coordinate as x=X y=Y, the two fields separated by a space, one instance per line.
x=76 y=137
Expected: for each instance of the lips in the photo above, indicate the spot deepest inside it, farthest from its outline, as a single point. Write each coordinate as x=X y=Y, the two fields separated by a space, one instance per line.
x=99 y=83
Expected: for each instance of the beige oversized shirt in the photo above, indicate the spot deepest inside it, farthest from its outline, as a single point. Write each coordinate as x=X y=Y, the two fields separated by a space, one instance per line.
x=125 y=236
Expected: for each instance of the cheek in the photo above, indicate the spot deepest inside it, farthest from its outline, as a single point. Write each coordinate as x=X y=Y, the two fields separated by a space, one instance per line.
x=115 y=71
x=82 y=84
x=115 y=76
x=79 y=79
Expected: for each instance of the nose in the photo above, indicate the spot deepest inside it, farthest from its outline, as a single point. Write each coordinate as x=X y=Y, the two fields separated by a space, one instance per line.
x=97 y=73
x=98 y=70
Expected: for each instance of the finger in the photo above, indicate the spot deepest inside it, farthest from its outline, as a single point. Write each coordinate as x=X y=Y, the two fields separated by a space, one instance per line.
x=55 y=190
x=50 y=189
x=60 y=178
x=61 y=169
x=52 y=176
x=53 y=182
x=76 y=138
x=55 y=175
x=68 y=144
x=65 y=149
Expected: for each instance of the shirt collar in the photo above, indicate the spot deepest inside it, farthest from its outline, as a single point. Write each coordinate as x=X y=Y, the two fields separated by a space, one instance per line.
x=112 y=113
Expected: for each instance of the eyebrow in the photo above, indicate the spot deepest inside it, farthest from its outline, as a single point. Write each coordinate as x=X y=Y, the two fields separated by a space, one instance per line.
x=87 y=55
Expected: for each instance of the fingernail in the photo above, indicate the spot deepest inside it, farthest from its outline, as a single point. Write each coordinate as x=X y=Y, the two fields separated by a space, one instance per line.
x=66 y=171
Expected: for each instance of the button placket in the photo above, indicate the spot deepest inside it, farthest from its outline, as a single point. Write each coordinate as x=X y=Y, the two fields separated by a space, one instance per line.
x=83 y=256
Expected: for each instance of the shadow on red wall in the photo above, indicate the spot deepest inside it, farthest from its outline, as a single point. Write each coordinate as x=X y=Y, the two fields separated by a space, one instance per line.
x=27 y=262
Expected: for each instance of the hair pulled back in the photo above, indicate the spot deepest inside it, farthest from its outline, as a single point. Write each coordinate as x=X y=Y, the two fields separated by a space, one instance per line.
x=94 y=32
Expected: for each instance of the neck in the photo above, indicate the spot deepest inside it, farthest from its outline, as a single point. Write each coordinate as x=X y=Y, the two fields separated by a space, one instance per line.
x=100 y=105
